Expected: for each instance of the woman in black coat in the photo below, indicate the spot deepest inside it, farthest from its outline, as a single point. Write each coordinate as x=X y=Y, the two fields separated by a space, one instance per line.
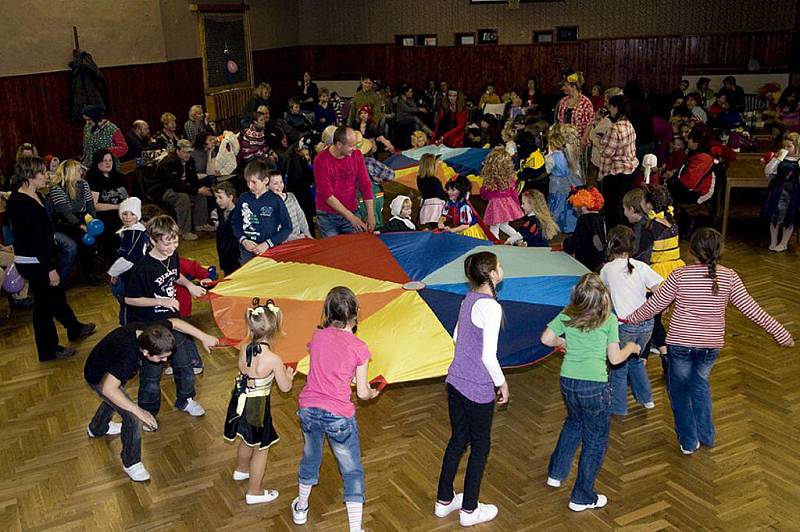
x=36 y=259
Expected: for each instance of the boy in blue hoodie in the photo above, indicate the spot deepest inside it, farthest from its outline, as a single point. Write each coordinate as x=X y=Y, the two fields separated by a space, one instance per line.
x=260 y=220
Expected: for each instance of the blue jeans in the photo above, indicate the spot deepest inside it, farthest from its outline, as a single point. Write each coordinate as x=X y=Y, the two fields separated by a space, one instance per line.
x=588 y=419
x=131 y=426
x=690 y=394
x=342 y=434
x=632 y=370
x=150 y=377
x=333 y=224
x=67 y=253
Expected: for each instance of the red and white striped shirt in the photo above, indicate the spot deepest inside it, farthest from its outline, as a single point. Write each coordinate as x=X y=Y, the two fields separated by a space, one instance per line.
x=698 y=319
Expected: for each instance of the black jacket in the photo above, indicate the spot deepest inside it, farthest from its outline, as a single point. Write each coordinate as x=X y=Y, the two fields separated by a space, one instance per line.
x=170 y=175
x=588 y=242
x=227 y=246
x=33 y=229
x=136 y=145
x=87 y=86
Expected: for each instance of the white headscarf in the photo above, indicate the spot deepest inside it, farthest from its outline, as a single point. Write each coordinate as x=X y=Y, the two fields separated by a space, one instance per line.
x=396 y=206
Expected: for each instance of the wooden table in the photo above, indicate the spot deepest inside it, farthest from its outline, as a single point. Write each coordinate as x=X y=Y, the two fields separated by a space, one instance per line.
x=745 y=172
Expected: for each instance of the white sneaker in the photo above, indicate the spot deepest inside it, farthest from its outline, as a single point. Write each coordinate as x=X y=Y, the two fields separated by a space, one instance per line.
x=239 y=475
x=481 y=514
x=443 y=510
x=193 y=408
x=137 y=472
x=602 y=500
x=649 y=405
x=690 y=451
x=553 y=482
x=655 y=351
x=114 y=428
x=197 y=370
x=299 y=516
x=268 y=496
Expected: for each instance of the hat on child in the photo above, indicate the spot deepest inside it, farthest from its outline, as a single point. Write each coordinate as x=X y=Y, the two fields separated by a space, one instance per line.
x=132 y=205
x=397 y=204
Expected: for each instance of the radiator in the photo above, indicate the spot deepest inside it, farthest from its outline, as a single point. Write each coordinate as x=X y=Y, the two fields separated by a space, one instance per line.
x=224 y=107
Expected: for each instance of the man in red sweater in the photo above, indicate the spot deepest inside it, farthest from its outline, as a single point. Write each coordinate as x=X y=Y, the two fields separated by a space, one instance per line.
x=339 y=172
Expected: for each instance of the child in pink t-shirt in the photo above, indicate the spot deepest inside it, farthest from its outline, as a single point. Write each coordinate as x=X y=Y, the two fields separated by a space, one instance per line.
x=337 y=357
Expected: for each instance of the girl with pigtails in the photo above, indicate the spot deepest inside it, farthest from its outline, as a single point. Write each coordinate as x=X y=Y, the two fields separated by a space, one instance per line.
x=700 y=293
x=249 y=417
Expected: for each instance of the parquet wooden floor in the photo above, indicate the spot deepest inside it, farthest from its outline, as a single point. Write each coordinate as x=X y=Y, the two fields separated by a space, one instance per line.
x=52 y=477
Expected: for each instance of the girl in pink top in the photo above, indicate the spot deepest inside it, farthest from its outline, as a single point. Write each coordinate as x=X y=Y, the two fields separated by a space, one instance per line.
x=326 y=410
x=500 y=189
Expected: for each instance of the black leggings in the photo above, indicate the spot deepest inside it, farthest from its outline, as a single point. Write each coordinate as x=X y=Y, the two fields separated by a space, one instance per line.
x=471 y=424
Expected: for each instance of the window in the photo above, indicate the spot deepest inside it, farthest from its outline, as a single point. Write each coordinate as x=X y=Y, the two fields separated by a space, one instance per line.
x=566 y=33
x=465 y=39
x=404 y=40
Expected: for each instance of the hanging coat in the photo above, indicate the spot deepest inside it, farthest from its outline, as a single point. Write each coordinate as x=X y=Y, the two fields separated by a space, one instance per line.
x=87 y=86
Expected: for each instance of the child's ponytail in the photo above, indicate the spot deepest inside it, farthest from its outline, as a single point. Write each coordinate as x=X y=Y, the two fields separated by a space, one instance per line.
x=478 y=267
x=620 y=243
x=706 y=246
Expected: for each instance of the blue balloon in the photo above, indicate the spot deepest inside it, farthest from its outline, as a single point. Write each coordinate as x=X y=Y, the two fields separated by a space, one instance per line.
x=88 y=239
x=95 y=227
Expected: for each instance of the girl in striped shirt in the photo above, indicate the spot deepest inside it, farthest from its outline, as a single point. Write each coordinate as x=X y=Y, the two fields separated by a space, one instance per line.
x=697 y=331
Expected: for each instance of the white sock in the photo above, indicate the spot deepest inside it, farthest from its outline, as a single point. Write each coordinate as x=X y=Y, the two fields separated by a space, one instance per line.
x=510 y=231
x=495 y=230
x=304 y=491
x=354 y=514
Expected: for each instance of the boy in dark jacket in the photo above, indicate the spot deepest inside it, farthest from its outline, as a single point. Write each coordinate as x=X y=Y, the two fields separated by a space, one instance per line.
x=588 y=242
x=227 y=245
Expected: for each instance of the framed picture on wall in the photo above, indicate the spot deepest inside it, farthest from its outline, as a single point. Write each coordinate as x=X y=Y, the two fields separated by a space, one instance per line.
x=404 y=40
x=427 y=40
x=465 y=39
x=540 y=36
x=487 y=36
x=566 y=33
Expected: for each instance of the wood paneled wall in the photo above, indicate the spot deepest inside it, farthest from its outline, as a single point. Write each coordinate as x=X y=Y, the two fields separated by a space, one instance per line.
x=656 y=61
x=36 y=105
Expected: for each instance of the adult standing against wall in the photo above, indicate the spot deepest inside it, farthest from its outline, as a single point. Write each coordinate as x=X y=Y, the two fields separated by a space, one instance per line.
x=99 y=133
x=307 y=92
x=36 y=259
x=618 y=160
x=339 y=171
x=574 y=108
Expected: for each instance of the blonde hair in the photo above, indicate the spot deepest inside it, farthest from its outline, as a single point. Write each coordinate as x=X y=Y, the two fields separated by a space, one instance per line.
x=515 y=99
x=794 y=138
x=564 y=137
x=542 y=212
x=498 y=169
x=162 y=226
x=167 y=118
x=574 y=79
x=264 y=323
x=508 y=134
x=195 y=111
x=67 y=176
x=589 y=305
x=427 y=165
x=262 y=109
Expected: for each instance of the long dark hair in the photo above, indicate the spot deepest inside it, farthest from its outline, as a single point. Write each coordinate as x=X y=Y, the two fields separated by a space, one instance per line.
x=660 y=198
x=340 y=309
x=706 y=246
x=619 y=243
x=478 y=267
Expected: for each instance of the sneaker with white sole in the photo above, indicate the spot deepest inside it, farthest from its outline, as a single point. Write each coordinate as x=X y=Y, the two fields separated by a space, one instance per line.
x=481 y=514
x=602 y=500
x=137 y=472
x=240 y=475
x=267 y=496
x=553 y=482
x=193 y=408
x=114 y=428
x=197 y=370
x=443 y=510
x=299 y=516
x=649 y=405
x=690 y=451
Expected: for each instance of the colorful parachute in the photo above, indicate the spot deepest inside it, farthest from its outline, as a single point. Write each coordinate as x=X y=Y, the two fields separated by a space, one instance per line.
x=408 y=326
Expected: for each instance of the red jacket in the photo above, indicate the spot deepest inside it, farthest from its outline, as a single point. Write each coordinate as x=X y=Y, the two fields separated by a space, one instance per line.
x=696 y=173
x=191 y=270
x=453 y=138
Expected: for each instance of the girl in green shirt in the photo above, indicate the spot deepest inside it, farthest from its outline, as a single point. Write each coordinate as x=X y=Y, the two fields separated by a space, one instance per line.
x=589 y=331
